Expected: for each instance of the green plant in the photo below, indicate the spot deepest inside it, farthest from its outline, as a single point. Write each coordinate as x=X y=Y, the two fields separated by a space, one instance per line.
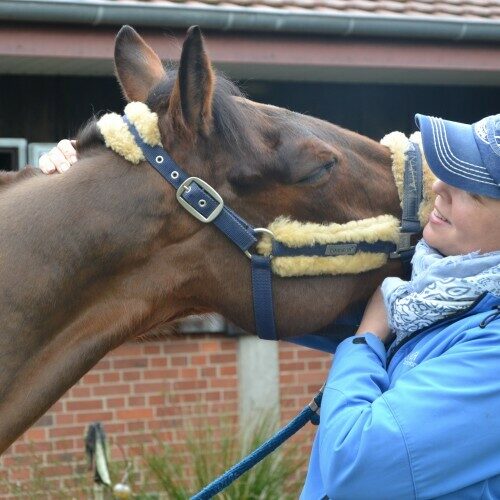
x=211 y=451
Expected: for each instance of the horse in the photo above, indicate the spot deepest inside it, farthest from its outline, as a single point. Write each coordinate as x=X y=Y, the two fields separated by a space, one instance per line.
x=104 y=253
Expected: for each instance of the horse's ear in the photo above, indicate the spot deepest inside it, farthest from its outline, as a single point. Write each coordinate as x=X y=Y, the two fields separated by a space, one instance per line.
x=137 y=66
x=193 y=90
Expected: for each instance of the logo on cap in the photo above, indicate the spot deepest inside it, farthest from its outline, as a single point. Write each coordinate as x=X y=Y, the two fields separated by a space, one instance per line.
x=480 y=129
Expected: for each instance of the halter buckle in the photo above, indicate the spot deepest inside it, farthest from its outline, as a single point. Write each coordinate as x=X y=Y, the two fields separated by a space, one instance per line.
x=403 y=245
x=186 y=187
x=261 y=230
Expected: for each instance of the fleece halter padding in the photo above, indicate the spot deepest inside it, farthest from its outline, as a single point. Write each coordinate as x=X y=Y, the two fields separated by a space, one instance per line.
x=398 y=144
x=118 y=137
x=293 y=234
x=296 y=234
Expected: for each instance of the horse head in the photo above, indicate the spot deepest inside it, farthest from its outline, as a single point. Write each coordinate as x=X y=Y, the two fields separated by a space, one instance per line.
x=265 y=162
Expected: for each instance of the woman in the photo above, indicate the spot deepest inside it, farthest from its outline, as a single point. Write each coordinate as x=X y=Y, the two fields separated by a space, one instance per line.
x=422 y=419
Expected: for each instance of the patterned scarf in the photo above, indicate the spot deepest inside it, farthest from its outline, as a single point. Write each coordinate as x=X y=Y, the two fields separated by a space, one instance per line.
x=439 y=286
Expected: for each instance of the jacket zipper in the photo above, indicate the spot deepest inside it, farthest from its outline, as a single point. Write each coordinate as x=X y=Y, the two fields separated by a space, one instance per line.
x=442 y=321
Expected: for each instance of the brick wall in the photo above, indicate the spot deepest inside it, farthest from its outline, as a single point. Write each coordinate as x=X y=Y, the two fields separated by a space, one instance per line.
x=144 y=391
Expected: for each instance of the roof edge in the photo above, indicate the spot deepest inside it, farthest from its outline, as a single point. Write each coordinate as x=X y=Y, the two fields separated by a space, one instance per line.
x=108 y=13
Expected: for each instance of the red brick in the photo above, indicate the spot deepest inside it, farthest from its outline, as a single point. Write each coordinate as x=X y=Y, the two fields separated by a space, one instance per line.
x=167 y=411
x=292 y=390
x=309 y=353
x=158 y=362
x=82 y=405
x=65 y=444
x=111 y=377
x=115 y=428
x=314 y=365
x=91 y=378
x=288 y=402
x=222 y=382
x=32 y=447
x=115 y=402
x=129 y=376
x=208 y=371
x=80 y=392
x=67 y=431
x=178 y=360
x=190 y=397
x=222 y=358
x=130 y=349
x=155 y=425
x=230 y=395
x=104 y=364
x=95 y=416
x=199 y=360
x=67 y=419
x=135 y=414
x=111 y=390
x=152 y=349
x=293 y=366
x=190 y=384
x=35 y=434
x=228 y=370
x=288 y=378
x=150 y=387
x=130 y=363
x=181 y=347
x=157 y=400
x=57 y=470
x=136 y=401
x=20 y=474
x=135 y=426
x=161 y=374
x=286 y=355
x=212 y=396
x=228 y=344
x=210 y=346
x=189 y=373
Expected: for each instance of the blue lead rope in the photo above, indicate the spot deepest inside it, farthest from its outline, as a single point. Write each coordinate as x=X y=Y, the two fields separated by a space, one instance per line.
x=308 y=414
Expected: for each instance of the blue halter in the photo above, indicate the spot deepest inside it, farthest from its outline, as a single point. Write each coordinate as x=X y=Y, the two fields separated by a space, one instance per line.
x=204 y=203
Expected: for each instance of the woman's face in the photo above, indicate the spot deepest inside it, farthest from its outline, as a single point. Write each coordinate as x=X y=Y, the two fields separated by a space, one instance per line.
x=461 y=223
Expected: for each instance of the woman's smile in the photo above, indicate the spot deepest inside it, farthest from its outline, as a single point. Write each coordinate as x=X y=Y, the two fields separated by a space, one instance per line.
x=437 y=217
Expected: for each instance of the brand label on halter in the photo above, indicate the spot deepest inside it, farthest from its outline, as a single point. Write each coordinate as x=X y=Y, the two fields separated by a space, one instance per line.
x=341 y=249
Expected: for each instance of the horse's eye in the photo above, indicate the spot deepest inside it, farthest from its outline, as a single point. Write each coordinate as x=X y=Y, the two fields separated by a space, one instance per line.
x=320 y=173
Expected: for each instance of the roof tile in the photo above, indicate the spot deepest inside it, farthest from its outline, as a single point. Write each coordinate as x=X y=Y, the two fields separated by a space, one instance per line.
x=475 y=9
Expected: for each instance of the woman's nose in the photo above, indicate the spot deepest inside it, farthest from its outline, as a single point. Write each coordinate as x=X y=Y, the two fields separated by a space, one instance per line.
x=441 y=188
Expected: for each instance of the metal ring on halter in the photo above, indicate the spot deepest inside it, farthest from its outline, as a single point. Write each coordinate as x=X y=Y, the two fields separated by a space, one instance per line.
x=261 y=230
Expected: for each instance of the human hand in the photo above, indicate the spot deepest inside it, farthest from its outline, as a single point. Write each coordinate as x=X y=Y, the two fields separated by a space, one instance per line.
x=375 y=318
x=59 y=158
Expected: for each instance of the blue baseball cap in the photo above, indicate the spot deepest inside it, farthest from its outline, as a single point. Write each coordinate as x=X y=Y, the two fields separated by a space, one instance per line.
x=464 y=156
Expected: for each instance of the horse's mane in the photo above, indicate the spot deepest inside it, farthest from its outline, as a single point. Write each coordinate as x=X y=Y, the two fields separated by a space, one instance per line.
x=228 y=118
x=7 y=179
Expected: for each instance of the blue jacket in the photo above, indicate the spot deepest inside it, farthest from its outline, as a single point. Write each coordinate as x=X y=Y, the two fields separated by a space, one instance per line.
x=420 y=421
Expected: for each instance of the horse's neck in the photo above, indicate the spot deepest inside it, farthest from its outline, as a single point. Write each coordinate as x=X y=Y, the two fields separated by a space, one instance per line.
x=68 y=243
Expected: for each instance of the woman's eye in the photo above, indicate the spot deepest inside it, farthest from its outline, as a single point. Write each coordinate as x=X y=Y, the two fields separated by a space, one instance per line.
x=318 y=174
